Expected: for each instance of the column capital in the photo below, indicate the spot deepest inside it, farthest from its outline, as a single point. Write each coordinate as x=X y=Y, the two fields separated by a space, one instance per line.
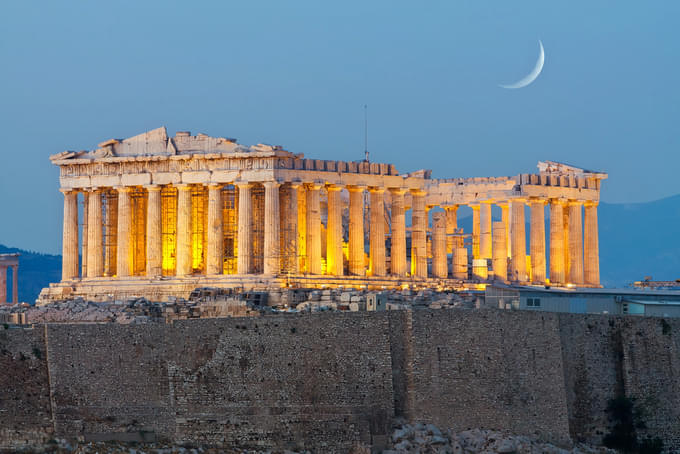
x=271 y=184
x=182 y=186
x=453 y=207
x=489 y=201
x=591 y=203
x=398 y=191
x=214 y=185
x=67 y=191
x=295 y=184
x=474 y=205
x=418 y=191
x=122 y=188
x=243 y=184
x=517 y=200
x=559 y=201
x=356 y=188
x=333 y=188
x=576 y=202
x=537 y=200
x=376 y=189
x=152 y=187
x=314 y=185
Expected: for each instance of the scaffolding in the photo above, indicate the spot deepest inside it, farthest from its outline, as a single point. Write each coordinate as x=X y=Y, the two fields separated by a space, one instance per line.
x=230 y=228
x=169 y=229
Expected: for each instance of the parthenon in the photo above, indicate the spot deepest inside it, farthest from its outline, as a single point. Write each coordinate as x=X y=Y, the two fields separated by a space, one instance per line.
x=163 y=215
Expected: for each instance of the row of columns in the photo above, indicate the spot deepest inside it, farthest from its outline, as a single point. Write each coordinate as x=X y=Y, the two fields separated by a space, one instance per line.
x=574 y=249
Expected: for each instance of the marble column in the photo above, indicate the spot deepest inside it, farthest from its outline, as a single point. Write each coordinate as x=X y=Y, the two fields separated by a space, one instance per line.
x=184 y=229
x=272 y=228
x=83 y=254
x=518 y=262
x=302 y=228
x=591 y=265
x=314 y=265
x=110 y=226
x=289 y=232
x=575 y=243
x=245 y=205
x=215 y=256
x=154 y=245
x=398 y=251
x=124 y=238
x=377 y=232
x=500 y=254
x=459 y=260
x=356 y=231
x=334 y=259
x=537 y=241
x=440 y=267
x=476 y=229
x=3 y=284
x=418 y=234
x=485 y=230
x=69 y=267
x=451 y=226
x=557 y=260
x=505 y=218
x=15 y=283
x=95 y=256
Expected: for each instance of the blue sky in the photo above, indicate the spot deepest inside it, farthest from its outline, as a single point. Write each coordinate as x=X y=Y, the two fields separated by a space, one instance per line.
x=298 y=74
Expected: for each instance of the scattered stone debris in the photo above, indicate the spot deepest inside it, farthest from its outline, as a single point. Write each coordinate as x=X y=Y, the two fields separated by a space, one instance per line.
x=423 y=438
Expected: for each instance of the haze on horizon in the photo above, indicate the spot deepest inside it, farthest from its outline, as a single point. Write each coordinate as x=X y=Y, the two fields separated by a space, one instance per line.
x=76 y=73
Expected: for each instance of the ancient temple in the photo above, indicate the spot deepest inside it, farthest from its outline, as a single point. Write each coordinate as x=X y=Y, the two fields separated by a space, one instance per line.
x=163 y=215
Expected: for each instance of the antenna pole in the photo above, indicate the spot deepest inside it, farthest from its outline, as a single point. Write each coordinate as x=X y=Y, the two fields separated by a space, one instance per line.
x=366 y=131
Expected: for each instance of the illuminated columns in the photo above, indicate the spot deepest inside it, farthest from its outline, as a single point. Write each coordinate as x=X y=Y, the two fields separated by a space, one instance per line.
x=476 y=228
x=398 y=240
x=518 y=262
x=314 y=265
x=272 y=228
x=302 y=228
x=154 y=252
x=377 y=231
x=485 y=229
x=289 y=223
x=334 y=262
x=591 y=247
x=215 y=256
x=500 y=254
x=418 y=234
x=356 y=231
x=451 y=226
x=184 y=256
x=123 y=246
x=537 y=241
x=245 y=205
x=557 y=258
x=95 y=258
x=83 y=254
x=439 y=265
x=69 y=268
x=505 y=218
x=575 y=243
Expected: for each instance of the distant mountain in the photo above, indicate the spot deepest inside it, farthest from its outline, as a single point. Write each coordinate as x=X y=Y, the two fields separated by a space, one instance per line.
x=36 y=271
x=636 y=240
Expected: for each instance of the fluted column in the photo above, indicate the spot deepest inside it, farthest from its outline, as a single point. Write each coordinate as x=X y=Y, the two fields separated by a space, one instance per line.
x=440 y=267
x=418 y=235
x=69 y=267
x=15 y=282
x=485 y=243
x=451 y=226
x=124 y=239
x=557 y=250
x=537 y=241
x=505 y=218
x=314 y=265
x=459 y=267
x=356 y=231
x=184 y=253
x=302 y=228
x=500 y=254
x=154 y=245
x=83 y=253
x=377 y=232
x=575 y=243
x=476 y=229
x=215 y=256
x=245 y=205
x=272 y=228
x=334 y=260
x=591 y=263
x=289 y=231
x=518 y=266
x=398 y=251
x=95 y=257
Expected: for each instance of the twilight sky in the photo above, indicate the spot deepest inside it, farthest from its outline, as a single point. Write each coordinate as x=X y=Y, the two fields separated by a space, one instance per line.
x=75 y=73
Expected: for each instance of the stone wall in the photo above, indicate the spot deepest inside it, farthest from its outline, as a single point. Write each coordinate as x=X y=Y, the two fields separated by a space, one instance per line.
x=323 y=382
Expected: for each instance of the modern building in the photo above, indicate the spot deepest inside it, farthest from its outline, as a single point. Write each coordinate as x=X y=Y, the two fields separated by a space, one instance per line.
x=163 y=215
x=644 y=302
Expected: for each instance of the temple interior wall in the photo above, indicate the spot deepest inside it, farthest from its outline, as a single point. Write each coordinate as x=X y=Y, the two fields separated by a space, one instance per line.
x=322 y=381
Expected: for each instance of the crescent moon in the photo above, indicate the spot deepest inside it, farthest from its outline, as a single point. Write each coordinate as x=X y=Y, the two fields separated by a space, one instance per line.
x=533 y=74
